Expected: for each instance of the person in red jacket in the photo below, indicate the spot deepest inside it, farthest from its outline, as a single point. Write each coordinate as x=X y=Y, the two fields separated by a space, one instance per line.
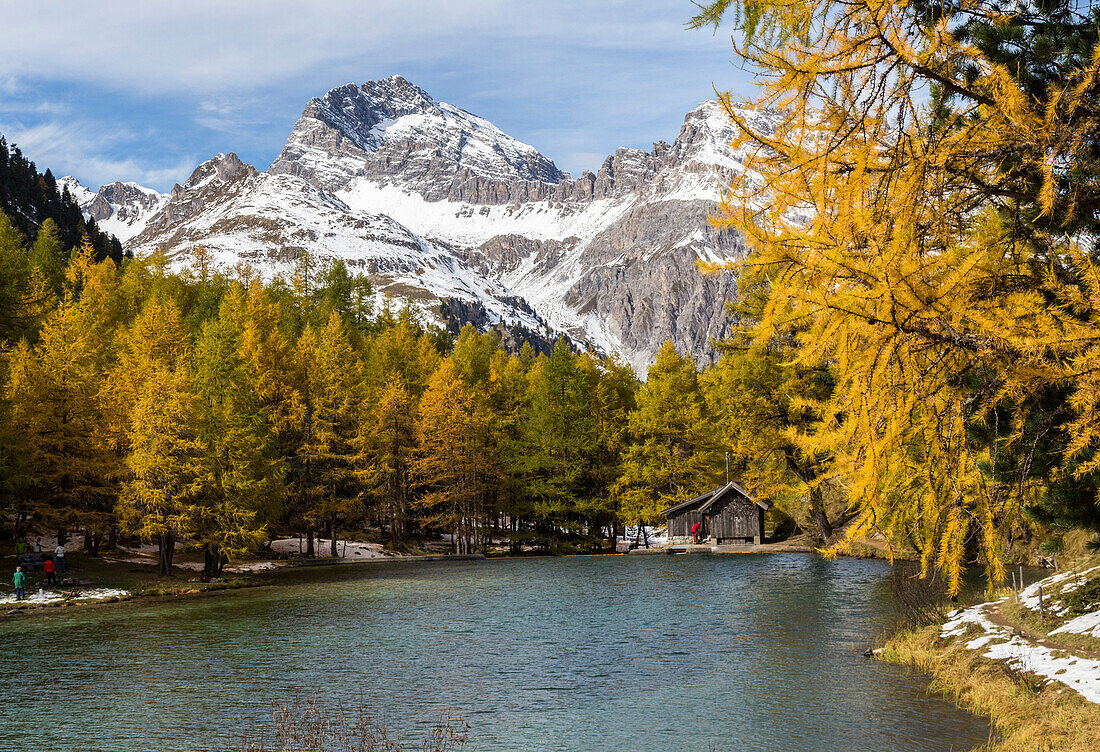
x=695 y=532
x=49 y=568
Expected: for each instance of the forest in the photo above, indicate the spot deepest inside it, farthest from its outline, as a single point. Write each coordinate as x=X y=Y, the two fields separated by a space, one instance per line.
x=214 y=411
x=912 y=358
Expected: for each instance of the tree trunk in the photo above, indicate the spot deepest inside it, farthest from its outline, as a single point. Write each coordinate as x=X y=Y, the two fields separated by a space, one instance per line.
x=167 y=546
x=332 y=532
x=211 y=561
x=309 y=543
x=817 y=510
x=112 y=538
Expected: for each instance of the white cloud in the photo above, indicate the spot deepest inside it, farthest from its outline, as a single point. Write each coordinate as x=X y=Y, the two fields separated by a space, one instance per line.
x=575 y=78
x=214 y=45
x=80 y=148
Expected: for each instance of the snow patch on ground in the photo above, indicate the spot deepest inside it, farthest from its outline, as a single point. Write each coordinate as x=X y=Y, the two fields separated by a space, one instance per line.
x=1054 y=588
x=1089 y=624
x=346 y=550
x=52 y=596
x=1082 y=675
x=252 y=566
x=657 y=536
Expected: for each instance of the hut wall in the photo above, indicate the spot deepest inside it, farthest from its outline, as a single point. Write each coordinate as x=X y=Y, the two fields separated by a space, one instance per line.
x=738 y=518
x=680 y=524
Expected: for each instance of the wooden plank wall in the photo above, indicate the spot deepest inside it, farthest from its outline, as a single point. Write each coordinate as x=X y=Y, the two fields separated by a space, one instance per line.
x=737 y=518
x=680 y=524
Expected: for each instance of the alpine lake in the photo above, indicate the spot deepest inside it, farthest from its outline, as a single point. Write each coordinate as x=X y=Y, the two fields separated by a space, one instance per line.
x=579 y=654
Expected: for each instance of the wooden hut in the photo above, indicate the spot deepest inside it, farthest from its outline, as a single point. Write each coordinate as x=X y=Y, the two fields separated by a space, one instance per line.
x=726 y=514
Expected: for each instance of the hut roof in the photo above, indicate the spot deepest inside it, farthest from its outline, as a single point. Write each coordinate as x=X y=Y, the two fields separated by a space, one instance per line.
x=708 y=500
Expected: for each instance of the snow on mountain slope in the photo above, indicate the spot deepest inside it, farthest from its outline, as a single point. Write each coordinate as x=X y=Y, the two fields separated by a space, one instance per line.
x=80 y=194
x=392 y=126
x=610 y=258
x=122 y=209
x=437 y=204
x=264 y=220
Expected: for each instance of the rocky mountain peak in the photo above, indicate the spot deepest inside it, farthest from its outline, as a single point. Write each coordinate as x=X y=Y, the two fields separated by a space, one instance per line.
x=224 y=168
x=440 y=207
x=396 y=96
x=393 y=131
x=121 y=209
x=77 y=190
x=124 y=199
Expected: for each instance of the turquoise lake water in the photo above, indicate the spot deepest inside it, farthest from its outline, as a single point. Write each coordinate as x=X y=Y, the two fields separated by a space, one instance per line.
x=655 y=653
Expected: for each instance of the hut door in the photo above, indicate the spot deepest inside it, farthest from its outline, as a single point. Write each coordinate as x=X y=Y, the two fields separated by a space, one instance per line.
x=705 y=532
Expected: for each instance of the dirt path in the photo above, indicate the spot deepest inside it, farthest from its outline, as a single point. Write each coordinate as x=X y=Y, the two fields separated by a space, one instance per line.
x=994 y=614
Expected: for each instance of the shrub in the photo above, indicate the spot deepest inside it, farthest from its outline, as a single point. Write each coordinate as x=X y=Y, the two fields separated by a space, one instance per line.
x=1084 y=599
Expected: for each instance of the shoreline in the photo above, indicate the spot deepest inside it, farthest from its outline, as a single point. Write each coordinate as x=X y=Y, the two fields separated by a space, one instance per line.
x=1038 y=686
x=182 y=584
x=267 y=572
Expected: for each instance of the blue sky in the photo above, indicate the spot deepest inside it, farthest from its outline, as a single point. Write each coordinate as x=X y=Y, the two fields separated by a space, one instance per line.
x=145 y=89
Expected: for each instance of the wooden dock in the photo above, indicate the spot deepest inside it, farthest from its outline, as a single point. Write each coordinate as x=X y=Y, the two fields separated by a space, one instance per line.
x=707 y=548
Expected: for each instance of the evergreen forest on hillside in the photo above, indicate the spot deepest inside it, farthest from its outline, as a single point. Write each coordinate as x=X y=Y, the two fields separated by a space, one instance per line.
x=29 y=198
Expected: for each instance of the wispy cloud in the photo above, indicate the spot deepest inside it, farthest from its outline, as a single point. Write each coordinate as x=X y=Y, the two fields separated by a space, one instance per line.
x=81 y=149
x=234 y=115
x=574 y=78
x=9 y=85
x=213 y=45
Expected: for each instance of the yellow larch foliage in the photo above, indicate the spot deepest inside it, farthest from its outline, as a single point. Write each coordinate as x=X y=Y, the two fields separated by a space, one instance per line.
x=893 y=214
x=452 y=458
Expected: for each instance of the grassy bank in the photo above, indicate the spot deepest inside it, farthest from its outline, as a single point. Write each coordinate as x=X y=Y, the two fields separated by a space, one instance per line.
x=1033 y=700
x=136 y=579
x=1027 y=715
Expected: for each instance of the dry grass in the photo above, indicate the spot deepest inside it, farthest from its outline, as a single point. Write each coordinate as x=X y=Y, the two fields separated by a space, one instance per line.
x=1030 y=621
x=305 y=725
x=1027 y=717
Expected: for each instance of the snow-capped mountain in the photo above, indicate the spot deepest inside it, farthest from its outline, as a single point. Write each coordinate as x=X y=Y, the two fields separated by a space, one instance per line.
x=242 y=215
x=393 y=128
x=122 y=209
x=441 y=207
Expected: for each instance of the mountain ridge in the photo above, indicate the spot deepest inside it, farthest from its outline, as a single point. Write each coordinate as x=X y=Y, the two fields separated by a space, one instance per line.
x=440 y=207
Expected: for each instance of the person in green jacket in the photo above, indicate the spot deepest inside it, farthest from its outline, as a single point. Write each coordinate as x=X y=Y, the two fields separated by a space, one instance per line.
x=19 y=579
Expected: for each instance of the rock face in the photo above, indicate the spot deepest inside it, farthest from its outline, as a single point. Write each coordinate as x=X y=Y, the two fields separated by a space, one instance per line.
x=122 y=209
x=440 y=207
x=611 y=258
x=241 y=215
x=393 y=129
